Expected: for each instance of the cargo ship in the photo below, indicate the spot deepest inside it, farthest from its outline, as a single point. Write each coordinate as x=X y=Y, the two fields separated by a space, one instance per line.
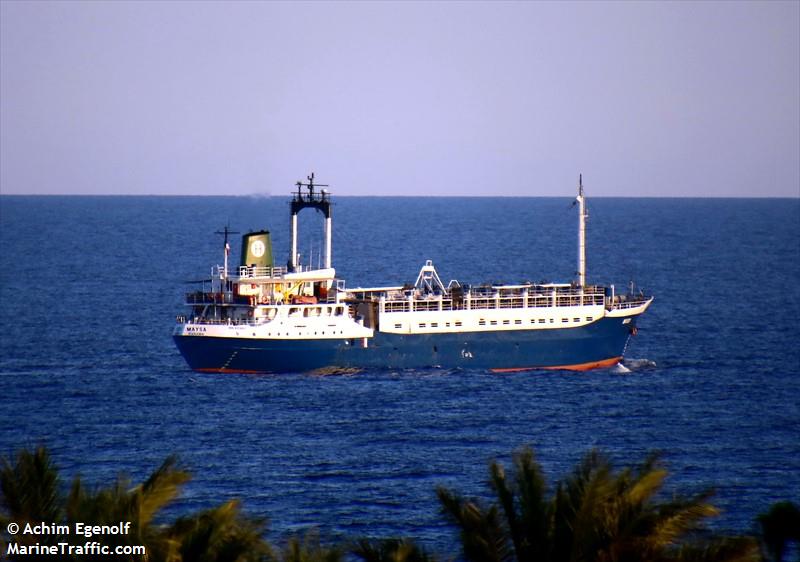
x=263 y=318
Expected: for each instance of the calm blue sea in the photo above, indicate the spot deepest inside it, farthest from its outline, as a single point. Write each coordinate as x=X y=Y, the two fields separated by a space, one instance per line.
x=90 y=286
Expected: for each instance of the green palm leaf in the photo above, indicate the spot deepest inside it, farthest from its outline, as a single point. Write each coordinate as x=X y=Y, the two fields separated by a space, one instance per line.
x=221 y=534
x=309 y=549
x=390 y=550
x=483 y=535
x=596 y=514
x=31 y=487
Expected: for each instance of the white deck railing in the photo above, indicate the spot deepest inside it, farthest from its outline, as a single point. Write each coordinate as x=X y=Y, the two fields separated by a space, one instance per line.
x=250 y=272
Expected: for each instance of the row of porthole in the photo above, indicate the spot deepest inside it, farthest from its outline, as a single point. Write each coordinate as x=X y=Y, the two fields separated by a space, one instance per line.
x=269 y=334
x=457 y=324
x=482 y=322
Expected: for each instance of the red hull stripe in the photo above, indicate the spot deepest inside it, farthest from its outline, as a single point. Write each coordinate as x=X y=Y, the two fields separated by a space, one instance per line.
x=579 y=367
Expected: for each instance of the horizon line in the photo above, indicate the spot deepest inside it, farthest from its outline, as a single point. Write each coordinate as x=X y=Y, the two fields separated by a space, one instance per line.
x=270 y=196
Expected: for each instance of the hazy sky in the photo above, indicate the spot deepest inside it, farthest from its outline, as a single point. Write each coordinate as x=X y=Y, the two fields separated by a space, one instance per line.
x=643 y=98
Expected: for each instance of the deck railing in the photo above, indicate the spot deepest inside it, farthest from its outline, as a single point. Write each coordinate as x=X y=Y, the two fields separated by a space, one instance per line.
x=628 y=302
x=486 y=299
x=219 y=321
x=249 y=272
x=200 y=297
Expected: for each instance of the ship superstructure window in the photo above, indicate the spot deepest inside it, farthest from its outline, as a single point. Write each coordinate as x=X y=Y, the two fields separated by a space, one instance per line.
x=517 y=321
x=434 y=324
x=398 y=325
x=541 y=320
x=458 y=323
x=506 y=322
x=576 y=319
x=481 y=322
x=493 y=322
x=422 y=325
x=565 y=320
x=589 y=318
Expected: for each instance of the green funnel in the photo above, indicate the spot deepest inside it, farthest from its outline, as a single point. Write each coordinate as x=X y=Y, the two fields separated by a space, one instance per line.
x=257 y=249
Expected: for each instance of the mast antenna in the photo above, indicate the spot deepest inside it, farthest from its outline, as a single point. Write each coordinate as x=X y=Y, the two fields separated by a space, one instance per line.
x=226 y=248
x=581 y=233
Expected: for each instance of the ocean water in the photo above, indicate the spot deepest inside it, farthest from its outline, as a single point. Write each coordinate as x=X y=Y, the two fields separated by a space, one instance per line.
x=90 y=286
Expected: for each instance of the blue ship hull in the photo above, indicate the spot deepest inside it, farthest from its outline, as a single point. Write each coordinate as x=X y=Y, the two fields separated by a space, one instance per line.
x=599 y=344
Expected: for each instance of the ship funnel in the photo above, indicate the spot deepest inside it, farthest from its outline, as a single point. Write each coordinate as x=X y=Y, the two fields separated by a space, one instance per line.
x=257 y=249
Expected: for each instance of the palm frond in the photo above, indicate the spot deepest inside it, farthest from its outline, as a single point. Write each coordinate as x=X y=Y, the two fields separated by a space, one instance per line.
x=220 y=534
x=390 y=550
x=483 y=537
x=505 y=498
x=31 y=487
x=309 y=549
x=679 y=517
x=160 y=489
x=645 y=486
x=590 y=495
x=728 y=549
